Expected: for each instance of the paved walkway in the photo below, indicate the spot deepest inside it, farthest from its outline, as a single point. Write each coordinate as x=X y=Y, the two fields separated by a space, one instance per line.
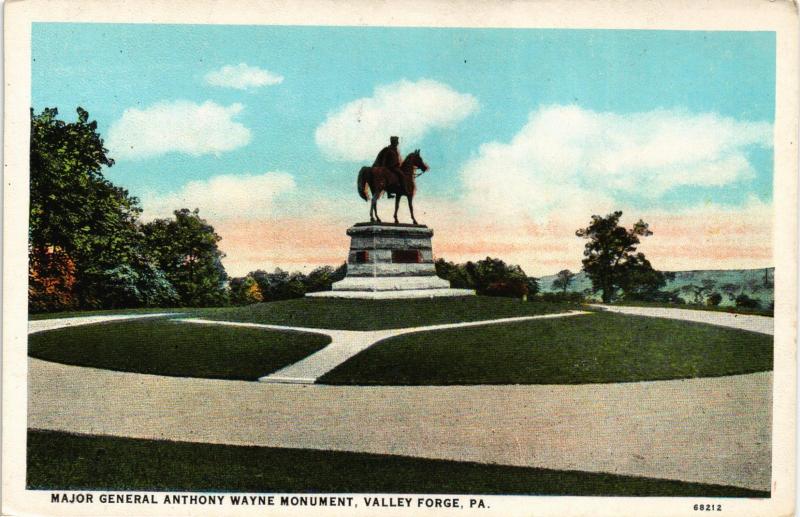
x=347 y=343
x=57 y=323
x=753 y=323
x=709 y=430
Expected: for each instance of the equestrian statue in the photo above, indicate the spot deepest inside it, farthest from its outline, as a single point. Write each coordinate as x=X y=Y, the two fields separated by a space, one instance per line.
x=388 y=174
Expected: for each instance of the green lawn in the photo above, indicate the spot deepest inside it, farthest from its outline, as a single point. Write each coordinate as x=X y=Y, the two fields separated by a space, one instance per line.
x=168 y=347
x=598 y=347
x=697 y=307
x=61 y=461
x=105 y=312
x=350 y=314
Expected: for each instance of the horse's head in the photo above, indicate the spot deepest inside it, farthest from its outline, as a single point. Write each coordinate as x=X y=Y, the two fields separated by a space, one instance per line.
x=415 y=160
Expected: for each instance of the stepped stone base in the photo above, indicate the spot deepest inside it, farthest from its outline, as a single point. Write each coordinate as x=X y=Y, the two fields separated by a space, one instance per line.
x=393 y=295
x=390 y=261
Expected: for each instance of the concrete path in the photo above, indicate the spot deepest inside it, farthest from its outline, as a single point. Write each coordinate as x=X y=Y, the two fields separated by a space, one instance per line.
x=711 y=430
x=56 y=323
x=347 y=343
x=753 y=323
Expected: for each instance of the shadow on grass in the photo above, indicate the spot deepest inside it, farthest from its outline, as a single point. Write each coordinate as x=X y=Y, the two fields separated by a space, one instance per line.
x=62 y=461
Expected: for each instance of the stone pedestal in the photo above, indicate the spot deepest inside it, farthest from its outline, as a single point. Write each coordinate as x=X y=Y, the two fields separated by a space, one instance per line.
x=391 y=261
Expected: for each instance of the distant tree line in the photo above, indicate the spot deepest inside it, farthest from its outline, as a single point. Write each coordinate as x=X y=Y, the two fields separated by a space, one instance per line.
x=260 y=286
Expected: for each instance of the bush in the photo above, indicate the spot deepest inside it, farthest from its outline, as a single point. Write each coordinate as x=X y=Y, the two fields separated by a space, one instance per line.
x=714 y=299
x=51 y=280
x=244 y=291
x=509 y=289
x=560 y=297
x=489 y=276
x=745 y=302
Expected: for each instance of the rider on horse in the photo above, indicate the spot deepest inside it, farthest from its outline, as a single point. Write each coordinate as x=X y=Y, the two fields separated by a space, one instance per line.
x=389 y=157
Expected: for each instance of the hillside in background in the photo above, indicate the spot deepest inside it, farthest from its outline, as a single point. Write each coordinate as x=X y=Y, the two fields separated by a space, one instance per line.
x=730 y=283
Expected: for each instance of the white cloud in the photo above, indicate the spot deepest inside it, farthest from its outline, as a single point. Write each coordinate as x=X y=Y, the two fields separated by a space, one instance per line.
x=359 y=129
x=242 y=77
x=566 y=156
x=180 y=126
x=224 y=196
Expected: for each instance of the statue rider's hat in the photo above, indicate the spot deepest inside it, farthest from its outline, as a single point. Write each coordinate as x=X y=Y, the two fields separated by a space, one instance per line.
x=393 y=139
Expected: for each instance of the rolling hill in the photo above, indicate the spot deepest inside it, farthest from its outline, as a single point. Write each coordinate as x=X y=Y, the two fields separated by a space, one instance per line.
x=755 y=283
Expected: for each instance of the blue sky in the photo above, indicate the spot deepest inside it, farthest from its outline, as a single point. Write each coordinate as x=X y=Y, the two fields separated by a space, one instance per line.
x=497 y=86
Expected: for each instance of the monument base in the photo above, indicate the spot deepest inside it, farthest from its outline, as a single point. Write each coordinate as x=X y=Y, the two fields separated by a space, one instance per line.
x=389 y=261
x=393 y=295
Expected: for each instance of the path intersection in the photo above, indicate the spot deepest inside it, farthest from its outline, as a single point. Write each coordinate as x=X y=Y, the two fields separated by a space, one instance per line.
x=637 y=428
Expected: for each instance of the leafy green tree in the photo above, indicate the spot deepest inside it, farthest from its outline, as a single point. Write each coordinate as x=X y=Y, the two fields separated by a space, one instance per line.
x=533 y=285
x=639 y=281
x=244 y=291
x=563 y=279
x=490 y=271
x=322 y=278
x=143 y=286
x=610 y=260
x=730 y=290
x=75 y=213
x=490 y=276
x=185 y=249
x=456 y=274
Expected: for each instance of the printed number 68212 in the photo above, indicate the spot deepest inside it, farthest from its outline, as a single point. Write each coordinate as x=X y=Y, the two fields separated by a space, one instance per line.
x=708 y=507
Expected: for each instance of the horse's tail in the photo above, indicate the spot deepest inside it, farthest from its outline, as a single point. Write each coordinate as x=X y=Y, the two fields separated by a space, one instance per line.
x=361 y=185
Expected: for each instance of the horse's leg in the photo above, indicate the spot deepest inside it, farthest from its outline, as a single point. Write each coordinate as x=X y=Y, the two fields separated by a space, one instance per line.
x=396 y=206
x=375 y=198
x=411 y=209
x=371 y=204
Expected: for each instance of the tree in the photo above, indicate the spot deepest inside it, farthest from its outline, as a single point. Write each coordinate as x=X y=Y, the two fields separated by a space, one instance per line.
x=564 y=278
x=185 y=249
x=142 y=286
x=489 y=276
x=697 y=291
x=639 y=281
x=609 y=258
x=456 y=274
x=51 y=280
x=244 y=291
x=321 y=279
x=488 y=271
x=75 y=213
x=714 y=299
x=730 y=290
x=533 y=286
x=745 y=302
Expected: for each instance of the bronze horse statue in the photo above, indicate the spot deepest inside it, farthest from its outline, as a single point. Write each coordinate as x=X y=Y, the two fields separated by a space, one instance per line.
x=382 y=179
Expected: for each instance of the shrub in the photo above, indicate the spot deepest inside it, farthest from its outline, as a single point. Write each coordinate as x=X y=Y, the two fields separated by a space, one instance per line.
x=745 y=302
x=510 y=289
x=559 y=297
x=714 y=299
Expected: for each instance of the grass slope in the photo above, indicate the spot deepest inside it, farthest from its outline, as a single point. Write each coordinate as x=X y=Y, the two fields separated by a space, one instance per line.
x=167 y=347
x=599 y=347
x=61 y=461
x=105 y=312
x=347 y=314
